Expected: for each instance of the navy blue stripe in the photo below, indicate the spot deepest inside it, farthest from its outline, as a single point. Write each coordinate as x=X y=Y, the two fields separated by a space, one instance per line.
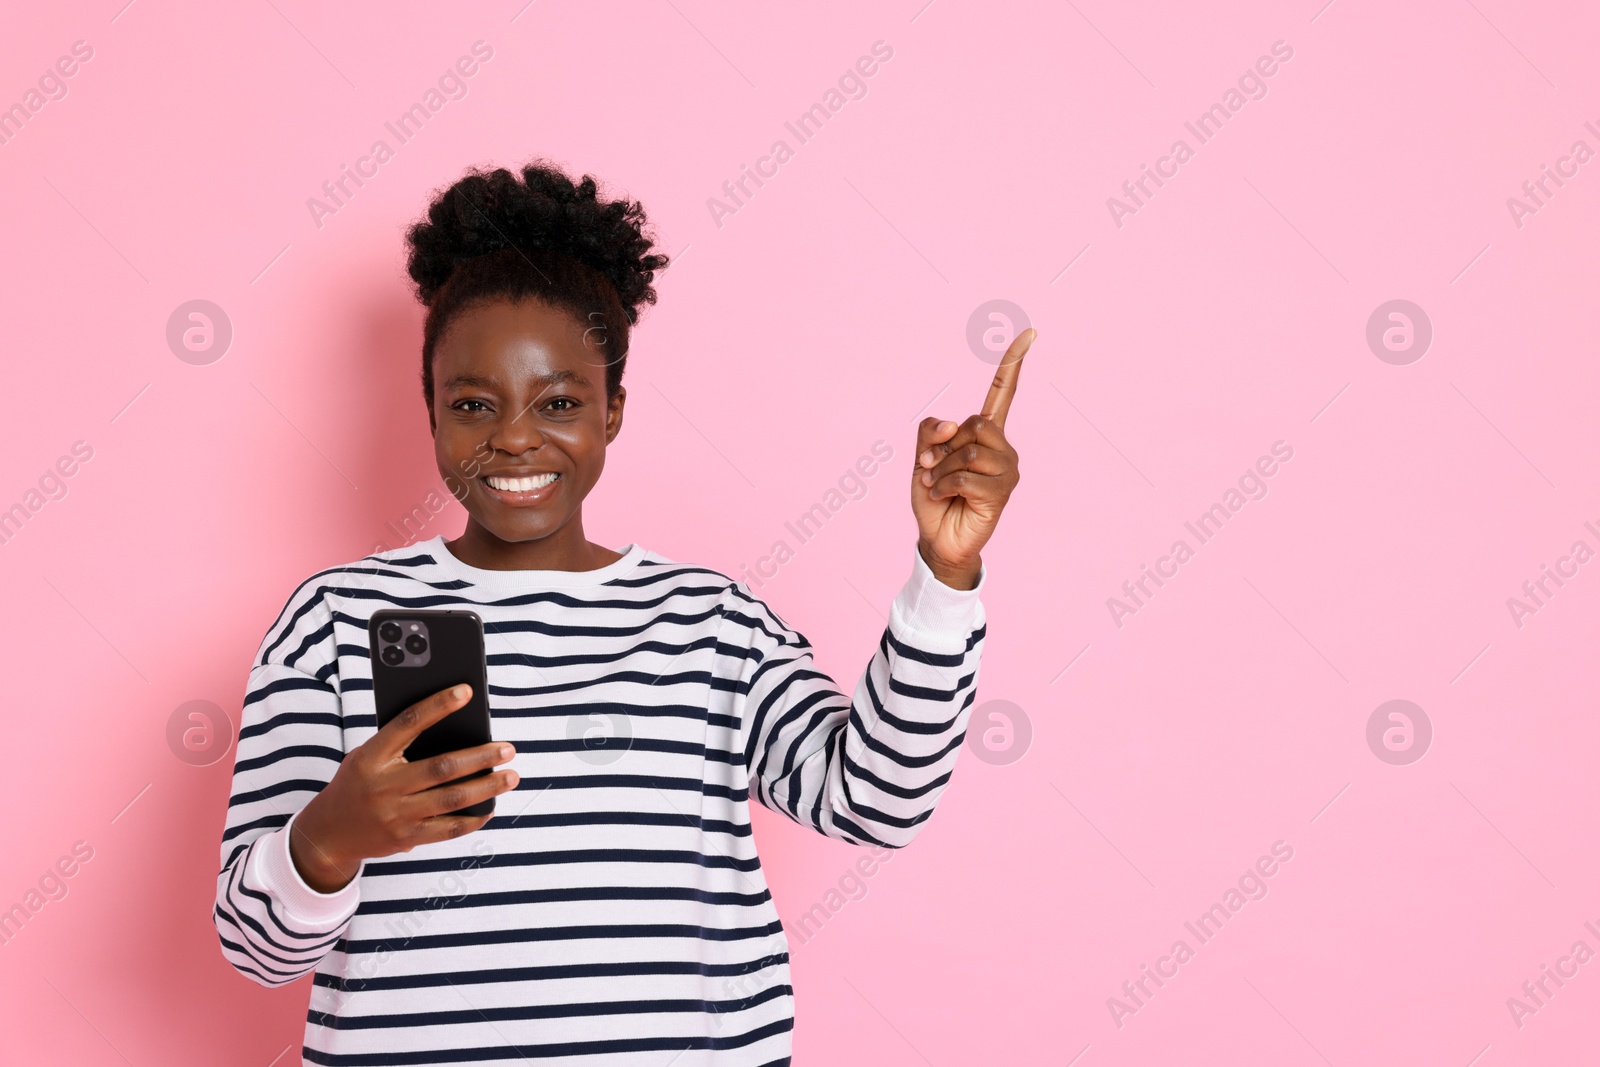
x=281 y=685
x=599 y=932
x=546 y=1011
x=386 y=868
x=613 y=1047
x=496 y=975
x=583 y=893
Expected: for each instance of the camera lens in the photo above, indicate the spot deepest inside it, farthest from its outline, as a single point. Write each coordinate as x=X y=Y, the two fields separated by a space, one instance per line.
x=393 y=656
x=416 y=644
x=389 y=631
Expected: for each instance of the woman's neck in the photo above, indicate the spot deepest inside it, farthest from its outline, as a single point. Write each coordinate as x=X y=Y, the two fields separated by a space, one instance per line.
x=565 y=550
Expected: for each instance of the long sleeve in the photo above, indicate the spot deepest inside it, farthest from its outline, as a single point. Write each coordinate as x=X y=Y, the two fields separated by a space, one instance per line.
x=273 y=927
x=867 y=770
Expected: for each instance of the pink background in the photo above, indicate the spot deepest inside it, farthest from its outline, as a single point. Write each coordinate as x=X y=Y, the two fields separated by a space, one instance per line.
x=827 y=313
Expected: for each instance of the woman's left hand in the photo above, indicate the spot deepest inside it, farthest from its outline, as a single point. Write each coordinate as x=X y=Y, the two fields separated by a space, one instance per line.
x=963 y=476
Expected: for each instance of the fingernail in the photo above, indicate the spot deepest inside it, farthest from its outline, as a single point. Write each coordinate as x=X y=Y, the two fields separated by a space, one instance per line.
x=507 y=752
x=459 y=692
x=927 y=457
x=513 y=778
x=927 y=477
x=946 y=426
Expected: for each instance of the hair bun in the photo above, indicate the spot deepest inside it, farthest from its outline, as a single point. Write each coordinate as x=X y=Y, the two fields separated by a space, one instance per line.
x=544 y=211
x=494 y=235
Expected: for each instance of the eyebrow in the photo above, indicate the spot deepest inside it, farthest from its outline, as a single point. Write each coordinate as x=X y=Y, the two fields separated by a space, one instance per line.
x=458 y=381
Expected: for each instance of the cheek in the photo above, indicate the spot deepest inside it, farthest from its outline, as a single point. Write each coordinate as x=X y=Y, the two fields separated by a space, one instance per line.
x=584 y=444
x=457 y=451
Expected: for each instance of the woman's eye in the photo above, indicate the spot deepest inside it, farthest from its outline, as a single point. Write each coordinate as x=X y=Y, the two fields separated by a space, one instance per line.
x=470 y=401
x=565 y=400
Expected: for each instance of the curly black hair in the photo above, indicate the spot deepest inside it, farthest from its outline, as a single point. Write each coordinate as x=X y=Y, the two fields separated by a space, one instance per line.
x=494 y=236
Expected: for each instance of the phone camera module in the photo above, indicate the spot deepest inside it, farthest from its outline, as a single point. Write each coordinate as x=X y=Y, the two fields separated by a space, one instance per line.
x=403 y=642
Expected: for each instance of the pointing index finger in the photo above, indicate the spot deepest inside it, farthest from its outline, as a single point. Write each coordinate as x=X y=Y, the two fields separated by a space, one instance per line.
x=1004 y=386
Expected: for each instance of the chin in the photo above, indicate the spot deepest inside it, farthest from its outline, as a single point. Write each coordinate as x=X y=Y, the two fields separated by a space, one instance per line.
x=508 y=529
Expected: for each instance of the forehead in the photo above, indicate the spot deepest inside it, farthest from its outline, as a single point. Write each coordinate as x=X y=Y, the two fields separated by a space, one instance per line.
x=528 y=340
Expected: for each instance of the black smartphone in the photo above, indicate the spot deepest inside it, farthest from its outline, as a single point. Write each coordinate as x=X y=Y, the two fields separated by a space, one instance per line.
x=415 y=654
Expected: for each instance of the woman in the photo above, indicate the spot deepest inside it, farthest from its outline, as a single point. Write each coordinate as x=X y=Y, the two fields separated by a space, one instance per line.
x=612 y=908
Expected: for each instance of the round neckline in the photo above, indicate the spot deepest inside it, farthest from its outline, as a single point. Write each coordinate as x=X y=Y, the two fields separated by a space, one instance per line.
x=533 y=578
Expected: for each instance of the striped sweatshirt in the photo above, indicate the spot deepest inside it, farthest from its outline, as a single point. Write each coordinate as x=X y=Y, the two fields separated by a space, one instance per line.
x=613 y=910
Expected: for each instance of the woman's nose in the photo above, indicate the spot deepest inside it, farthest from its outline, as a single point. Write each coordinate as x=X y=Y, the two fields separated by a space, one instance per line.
x=519 y=432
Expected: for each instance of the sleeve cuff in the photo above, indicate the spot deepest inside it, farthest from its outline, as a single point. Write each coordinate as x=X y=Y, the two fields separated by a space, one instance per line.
x=927 y=606
x=276 y=873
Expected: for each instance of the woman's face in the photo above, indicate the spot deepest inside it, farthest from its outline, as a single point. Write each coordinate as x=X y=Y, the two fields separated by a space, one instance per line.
x=519 y=396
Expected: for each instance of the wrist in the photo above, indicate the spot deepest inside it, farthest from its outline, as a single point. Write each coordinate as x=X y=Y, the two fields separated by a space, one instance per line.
x=956 y=575
x=315 y=859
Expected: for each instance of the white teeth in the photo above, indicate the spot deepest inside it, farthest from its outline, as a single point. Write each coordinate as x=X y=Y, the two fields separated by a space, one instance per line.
x=519 y=485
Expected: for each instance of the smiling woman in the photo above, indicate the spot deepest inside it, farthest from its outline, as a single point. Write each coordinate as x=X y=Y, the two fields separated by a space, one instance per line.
x=619 y=914
x=521 y=402
x=523 y=352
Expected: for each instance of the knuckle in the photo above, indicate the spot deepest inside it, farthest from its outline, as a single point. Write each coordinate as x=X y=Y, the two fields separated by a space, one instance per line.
x=970 y=453
x=444 y=767
x=451 y=797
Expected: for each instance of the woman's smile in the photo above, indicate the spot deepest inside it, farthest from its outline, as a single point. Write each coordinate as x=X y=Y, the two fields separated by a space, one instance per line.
x=522 y=490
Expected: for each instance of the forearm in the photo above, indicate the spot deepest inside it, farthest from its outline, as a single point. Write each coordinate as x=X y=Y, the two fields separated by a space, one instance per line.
x=872 y=767
x=273 y=926
x=275 y=923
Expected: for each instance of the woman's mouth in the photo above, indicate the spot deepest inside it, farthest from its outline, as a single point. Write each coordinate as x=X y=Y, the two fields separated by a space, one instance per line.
x=522 y=490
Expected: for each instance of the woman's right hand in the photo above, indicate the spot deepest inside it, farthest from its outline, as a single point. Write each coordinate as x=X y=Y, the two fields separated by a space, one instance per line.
x=380 y=803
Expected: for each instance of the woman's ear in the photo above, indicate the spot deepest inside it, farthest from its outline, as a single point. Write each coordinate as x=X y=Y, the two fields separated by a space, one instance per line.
x=614 y=414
